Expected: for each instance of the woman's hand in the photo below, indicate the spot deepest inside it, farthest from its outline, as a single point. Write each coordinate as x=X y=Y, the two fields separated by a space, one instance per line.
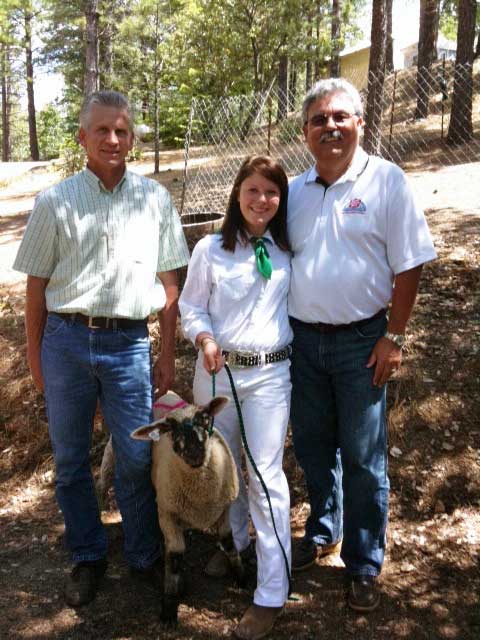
x=213 y=360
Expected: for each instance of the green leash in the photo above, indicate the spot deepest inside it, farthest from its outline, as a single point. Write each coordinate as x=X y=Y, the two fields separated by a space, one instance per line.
x=254 y=466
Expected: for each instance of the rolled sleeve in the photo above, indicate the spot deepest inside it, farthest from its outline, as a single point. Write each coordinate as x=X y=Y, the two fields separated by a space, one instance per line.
x=38 y=251
x=173 y=250
x=195 y=296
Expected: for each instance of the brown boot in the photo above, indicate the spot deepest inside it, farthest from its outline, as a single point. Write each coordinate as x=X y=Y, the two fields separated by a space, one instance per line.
x=219 y=566
x=257 y=622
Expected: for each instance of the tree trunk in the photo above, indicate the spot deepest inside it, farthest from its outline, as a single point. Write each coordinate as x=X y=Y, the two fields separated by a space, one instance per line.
x=5 y=71
x=460 y=129
x=427 y=53
x=282 y=102
x=376 y=78
x=32 y=120
x=389 y=66
x=292 y=86
x=91 y=34
x=106 y=55
x=316 y=71
x=308 y=63
x=156 y=75
x=335 y=31
x=477 y=48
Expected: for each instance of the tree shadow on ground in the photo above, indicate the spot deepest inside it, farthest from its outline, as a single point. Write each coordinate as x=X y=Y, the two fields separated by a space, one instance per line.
x=12 y=227
x=431 y=576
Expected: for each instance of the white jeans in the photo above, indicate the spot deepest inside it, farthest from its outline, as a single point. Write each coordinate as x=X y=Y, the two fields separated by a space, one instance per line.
x=264 y=396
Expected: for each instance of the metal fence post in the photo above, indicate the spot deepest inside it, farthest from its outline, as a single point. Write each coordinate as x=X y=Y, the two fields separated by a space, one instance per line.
x=186 y=155
x=269 y=136
x=392 y=111
x=444 y=95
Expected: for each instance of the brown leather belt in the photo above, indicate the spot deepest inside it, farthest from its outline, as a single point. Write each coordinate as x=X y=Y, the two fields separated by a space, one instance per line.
x=113 y=324
x=323 y=327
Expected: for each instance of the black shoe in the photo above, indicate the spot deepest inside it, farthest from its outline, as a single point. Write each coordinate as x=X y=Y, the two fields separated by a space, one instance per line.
x=152 y=575
x=82 y=584
x=306 y=552
x=363 y=594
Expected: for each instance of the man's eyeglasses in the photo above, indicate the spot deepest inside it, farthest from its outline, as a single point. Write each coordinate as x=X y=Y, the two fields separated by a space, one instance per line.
x=321 y=119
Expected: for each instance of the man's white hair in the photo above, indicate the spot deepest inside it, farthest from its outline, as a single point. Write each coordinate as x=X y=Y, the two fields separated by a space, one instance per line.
x=328 y=87
x=106 y=99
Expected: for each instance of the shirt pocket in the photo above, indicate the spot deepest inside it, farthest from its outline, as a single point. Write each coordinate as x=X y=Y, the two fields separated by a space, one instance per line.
x=235 y=287
x=139 y=244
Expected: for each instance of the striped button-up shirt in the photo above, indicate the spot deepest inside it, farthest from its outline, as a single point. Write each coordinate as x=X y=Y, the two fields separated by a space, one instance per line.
x=101 y=249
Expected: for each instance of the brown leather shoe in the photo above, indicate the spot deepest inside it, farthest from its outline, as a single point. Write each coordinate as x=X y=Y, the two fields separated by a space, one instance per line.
x=82 y=584
x=363 y=594
x=257 y=622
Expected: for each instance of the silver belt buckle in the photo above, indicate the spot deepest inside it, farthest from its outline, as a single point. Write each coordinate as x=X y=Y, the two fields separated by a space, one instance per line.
x=232 y=359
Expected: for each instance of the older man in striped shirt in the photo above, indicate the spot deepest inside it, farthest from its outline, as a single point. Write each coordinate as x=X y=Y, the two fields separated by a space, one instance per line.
x=101 y=251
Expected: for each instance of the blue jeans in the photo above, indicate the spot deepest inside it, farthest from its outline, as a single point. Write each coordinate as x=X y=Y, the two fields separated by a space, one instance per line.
x=338 y=414
x=81 y=366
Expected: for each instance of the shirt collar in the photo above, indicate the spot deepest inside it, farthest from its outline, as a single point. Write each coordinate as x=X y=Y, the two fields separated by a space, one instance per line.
x=359 y=162
x=266 y=236
x=94 y=181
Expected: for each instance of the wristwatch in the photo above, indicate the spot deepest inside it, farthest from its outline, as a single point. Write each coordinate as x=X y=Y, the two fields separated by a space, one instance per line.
x=398 y=339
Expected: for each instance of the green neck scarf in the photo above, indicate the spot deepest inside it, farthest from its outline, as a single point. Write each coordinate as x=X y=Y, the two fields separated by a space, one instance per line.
x=262 y=257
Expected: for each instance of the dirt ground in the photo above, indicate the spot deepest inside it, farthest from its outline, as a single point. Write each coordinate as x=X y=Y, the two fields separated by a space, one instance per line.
x=431 y=579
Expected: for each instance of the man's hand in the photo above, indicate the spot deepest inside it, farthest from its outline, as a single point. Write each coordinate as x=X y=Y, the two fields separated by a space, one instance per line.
x=163 y=375
x=387 y=358
x=35 y=366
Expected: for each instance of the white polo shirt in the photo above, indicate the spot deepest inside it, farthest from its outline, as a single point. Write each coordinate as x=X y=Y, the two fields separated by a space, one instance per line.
x=225 y=295
x=349 y=240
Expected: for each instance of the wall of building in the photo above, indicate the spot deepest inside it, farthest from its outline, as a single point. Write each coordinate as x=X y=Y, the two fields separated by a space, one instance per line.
x=354 y=67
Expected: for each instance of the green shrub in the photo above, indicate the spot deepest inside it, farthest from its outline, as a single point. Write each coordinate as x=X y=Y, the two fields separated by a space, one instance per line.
x=72 y=157
x=51 y=132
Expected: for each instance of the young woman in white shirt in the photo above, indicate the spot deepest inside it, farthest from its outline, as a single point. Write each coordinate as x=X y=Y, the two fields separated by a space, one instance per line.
x=234 y=309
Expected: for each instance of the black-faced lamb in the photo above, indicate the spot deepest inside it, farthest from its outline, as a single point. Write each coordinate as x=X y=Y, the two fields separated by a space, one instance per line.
x=195 y=479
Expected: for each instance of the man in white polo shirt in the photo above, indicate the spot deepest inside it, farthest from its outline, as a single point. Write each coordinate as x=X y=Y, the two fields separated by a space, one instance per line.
x=92 y=248
x=359 y=242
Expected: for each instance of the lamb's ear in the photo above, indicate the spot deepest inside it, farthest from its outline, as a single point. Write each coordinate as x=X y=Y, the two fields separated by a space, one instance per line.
x=216 y=405
x=151 y=431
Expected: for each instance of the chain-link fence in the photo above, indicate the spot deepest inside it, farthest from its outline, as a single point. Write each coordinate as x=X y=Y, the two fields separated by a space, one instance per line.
x=412 y=130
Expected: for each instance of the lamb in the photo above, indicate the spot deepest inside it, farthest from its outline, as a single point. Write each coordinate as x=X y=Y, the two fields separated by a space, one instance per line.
x=195 y=478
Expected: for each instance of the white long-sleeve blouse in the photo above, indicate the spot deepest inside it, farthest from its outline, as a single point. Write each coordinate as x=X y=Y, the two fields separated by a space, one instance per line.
x=225 y=295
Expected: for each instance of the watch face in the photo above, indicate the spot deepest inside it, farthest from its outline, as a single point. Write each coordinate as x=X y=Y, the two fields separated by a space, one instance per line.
x=397 y=339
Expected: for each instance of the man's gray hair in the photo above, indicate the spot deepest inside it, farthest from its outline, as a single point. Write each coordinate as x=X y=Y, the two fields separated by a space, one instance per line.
x=106 y=99
x=328 y=87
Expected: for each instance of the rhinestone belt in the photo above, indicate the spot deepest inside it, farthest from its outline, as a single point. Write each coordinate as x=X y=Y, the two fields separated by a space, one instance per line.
x=239 y=359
